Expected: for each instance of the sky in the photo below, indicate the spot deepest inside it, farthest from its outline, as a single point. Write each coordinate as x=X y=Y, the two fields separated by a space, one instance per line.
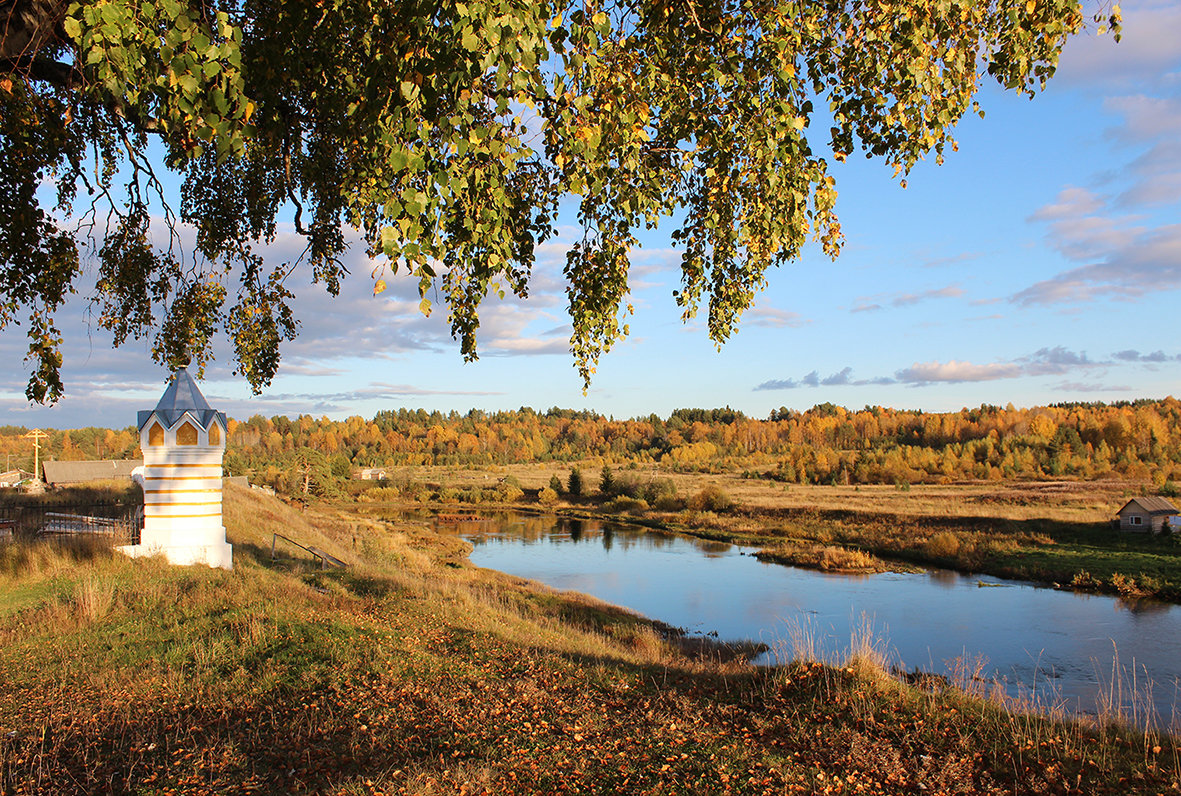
x=1040 y=263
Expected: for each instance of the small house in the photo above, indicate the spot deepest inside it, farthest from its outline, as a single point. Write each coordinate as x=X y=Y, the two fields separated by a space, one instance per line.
x=1146 y=515
x=13 y=477
x=373 y=474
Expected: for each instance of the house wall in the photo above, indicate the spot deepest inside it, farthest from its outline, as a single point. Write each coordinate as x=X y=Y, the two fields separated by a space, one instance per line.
x=1144 y=523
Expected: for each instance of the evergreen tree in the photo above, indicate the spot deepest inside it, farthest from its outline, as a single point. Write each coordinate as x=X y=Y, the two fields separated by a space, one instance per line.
x=607 y=481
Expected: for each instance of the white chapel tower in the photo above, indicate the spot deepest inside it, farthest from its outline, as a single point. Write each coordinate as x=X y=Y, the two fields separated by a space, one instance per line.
x=183 y=441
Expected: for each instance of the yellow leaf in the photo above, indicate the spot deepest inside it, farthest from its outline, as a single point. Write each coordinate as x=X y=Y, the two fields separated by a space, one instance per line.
x=378 y=286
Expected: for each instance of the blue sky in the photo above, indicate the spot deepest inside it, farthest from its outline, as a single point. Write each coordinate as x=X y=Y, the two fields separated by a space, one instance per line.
x=1040 y=263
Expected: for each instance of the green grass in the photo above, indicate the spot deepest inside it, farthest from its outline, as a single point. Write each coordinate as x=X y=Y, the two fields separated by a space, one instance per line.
x=414 y=672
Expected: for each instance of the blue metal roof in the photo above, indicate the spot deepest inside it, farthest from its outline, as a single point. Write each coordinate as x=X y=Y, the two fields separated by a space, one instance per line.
x=182 y=397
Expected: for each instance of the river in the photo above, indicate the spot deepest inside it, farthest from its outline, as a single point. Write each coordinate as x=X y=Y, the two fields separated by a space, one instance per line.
x=1078 y=651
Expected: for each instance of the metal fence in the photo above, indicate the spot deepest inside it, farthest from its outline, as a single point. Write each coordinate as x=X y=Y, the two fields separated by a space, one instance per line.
x=120 y=523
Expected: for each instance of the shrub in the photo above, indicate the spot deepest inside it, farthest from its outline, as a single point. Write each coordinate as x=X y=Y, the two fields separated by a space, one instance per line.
x=627 y=504
x=711 y=498
x=841 y=558
x=509 y=492
x=547 y=497
x=944 y=544
x=1125 y=585
x=651 y=490
x=669 y=503
x=381 y=493
x=658 y=489
x=555 y=484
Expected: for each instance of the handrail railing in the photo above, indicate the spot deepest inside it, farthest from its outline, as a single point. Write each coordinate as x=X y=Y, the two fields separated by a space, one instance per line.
x=325 y=558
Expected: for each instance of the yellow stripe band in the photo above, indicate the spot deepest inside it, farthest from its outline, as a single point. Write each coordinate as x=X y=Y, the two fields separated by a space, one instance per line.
x=183 y=503
x=182 y=491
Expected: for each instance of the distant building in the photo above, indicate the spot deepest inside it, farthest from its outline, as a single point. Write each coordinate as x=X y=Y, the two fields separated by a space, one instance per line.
x=67 y=473
x=13 y=477
x=1147 y=515
x=373 y=474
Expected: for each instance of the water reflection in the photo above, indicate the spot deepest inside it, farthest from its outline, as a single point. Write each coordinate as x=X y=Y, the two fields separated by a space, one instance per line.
x=1052 y=645
x=945 y=578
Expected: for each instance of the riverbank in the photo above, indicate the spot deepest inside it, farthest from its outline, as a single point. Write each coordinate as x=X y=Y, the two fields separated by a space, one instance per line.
x=1055 y=532
x=414 y=672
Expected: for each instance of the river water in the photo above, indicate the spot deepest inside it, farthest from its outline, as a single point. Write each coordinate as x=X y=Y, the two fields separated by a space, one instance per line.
x=1063 y=648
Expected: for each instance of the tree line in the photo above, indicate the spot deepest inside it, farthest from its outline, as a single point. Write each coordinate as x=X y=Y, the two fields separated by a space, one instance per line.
x=825 y=444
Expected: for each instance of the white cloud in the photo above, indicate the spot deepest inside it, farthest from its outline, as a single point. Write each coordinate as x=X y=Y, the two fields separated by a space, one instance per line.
x=1045 y=361
x=956 y=371
x=1149 y=261
x=772 y=318
x=898 y=300
x=1071 y=202
x=1145 y=117
x=1150 y=48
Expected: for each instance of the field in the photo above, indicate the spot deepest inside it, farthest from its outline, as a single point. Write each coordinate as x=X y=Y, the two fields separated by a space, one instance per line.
x=414 y=672
x=1053 y=532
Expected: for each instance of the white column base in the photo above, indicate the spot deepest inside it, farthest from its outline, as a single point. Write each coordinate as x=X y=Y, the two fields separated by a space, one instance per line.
x=214 y=555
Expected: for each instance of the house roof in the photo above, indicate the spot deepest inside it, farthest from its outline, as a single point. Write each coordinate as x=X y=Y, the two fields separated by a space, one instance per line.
x=80 y=472
x=182 y=397
x=1151 y=505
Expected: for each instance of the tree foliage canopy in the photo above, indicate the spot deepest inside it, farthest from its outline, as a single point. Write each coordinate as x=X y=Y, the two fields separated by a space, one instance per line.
x=445 y=134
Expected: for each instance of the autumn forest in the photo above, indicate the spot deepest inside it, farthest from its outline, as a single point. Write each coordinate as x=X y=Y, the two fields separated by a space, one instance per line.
x=1139 y=440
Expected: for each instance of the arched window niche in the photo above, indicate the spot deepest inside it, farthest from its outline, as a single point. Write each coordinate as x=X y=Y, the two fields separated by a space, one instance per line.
x=186 y=434
x=156 y=435
x=215 y=434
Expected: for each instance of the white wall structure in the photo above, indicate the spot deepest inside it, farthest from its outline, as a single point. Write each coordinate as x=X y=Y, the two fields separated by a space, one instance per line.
x=183 y=441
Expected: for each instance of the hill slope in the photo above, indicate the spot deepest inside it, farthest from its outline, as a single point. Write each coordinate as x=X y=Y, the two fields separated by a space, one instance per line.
x=414 y=672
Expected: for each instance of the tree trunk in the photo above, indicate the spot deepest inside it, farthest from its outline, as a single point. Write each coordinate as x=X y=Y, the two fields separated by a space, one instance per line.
x=27 y=27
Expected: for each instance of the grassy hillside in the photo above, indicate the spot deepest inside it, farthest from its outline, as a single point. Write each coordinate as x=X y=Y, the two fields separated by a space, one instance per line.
x=414 y=672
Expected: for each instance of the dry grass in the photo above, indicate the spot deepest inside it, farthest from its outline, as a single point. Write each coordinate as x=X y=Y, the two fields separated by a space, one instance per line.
x=1060 y=501
x=414 y=672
